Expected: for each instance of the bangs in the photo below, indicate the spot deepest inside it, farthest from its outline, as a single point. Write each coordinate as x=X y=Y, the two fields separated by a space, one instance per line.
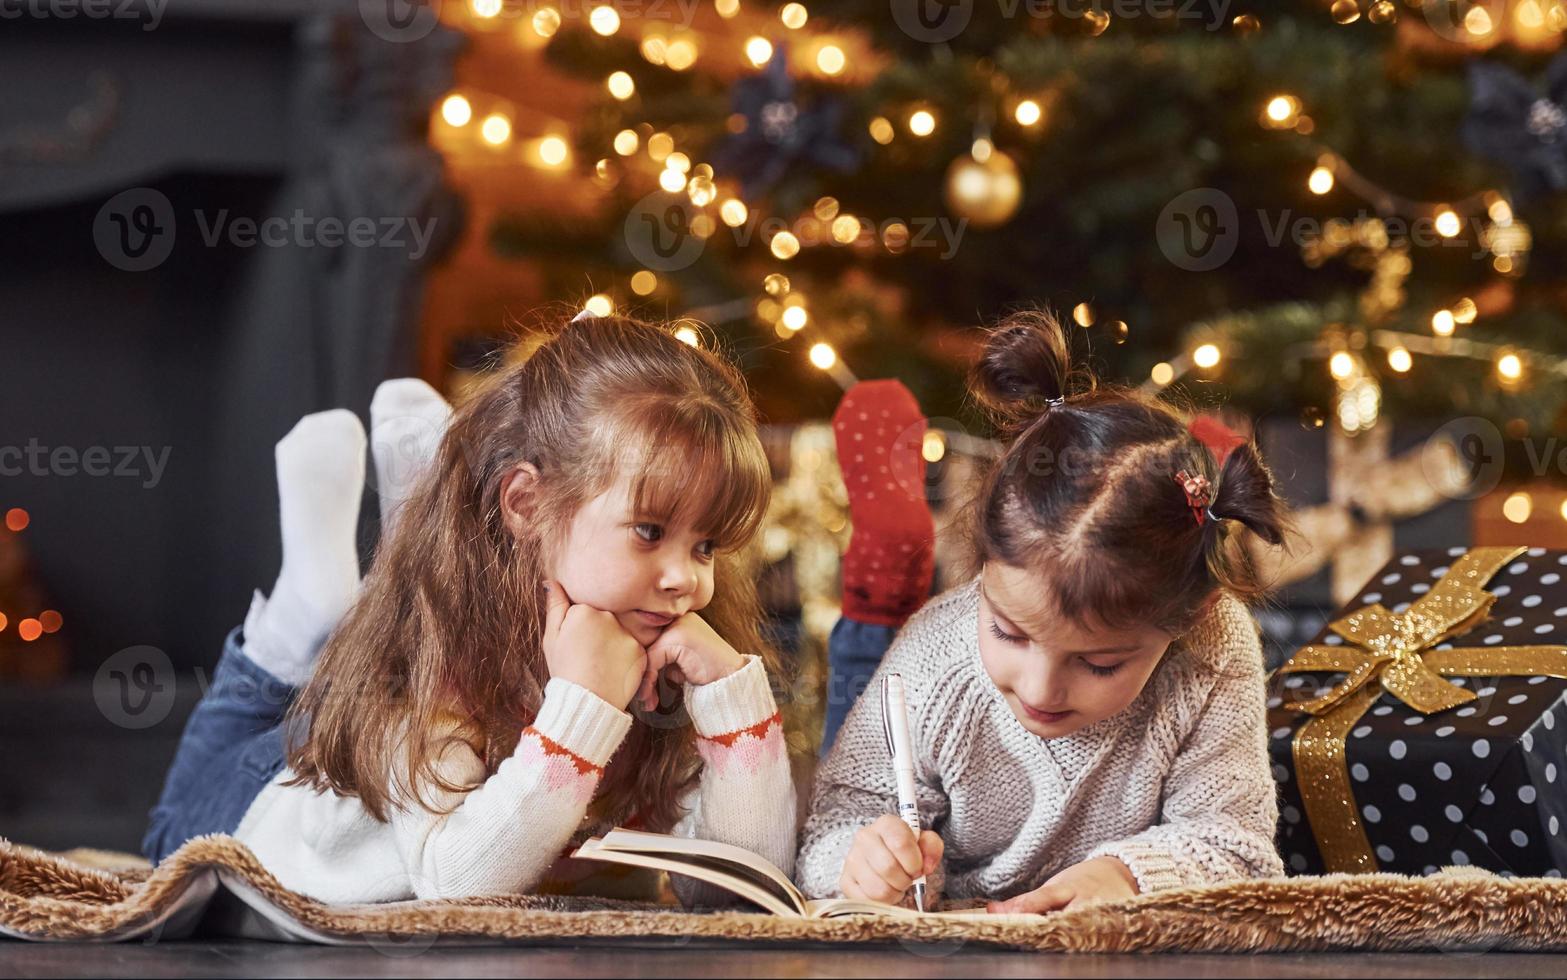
x=698 y=469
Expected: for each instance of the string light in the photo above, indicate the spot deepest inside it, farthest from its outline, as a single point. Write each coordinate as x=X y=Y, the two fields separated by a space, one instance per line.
x=758 y=50
x=486 y=9
x=50 y=620
x=830 y=59
x=922 y=122
x=626 y=142
x=553 y=151
x=1400 y=360
x=784 y=245
x=726 y=8
x=495 y=129
x=1281 y=112
x=1447 y=223
x=1465 y=311
x=1341 y=365
x=687 y=335
x=794 y=318
x=604 y=20
x=643 y=282
x=456 y=111
x=733 y=212
x=823 y=356
x=845 y=229
x=1442 y=323
x=1083 y=315
x=672 y=180
x=621 y=85
x=1509 y=367
x=1320 y=181
x=1028 y=113
x=660 y=146
x=776 y=284
x=1162 y=374
x=3 y=620
x=1517 y=507
x=546 y=22
x=16 y=519
x=681 y=54
x=29 y=629
x=793 y=15
x=934 y=446
x=1345 y=11
x=1207 y=356
x=881 y=130
x=599 y=304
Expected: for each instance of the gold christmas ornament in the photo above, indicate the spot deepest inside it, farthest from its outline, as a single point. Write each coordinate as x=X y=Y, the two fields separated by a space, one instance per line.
x=986 y=192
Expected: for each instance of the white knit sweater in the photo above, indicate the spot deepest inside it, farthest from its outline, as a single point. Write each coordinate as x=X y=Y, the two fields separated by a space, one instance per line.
x=506 y=835
x=1177 y=785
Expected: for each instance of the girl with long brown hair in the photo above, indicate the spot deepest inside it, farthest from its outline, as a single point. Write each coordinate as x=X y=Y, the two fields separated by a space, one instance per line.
x=578 y=550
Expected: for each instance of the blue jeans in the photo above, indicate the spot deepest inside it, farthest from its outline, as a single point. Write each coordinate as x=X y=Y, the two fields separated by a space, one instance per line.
x=231 y=748
x=854 y=650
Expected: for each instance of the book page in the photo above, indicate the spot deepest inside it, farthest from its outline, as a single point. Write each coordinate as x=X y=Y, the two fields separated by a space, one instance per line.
x=752 y=865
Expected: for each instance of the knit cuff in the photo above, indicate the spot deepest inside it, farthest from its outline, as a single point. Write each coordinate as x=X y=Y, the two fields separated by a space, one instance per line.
x=581 y=722
x=1155 y=868
x=730 y=704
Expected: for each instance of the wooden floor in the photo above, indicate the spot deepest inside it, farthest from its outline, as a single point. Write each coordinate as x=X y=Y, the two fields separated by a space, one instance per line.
x=245 y=959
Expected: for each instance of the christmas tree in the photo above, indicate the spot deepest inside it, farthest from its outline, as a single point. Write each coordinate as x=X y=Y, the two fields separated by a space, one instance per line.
x=1335 y=211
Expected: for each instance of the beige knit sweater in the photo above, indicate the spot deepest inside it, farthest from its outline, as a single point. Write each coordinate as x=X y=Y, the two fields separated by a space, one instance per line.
x=1177 y=785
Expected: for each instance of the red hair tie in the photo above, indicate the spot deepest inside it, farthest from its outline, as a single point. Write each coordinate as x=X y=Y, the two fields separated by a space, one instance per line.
x=1198 y=493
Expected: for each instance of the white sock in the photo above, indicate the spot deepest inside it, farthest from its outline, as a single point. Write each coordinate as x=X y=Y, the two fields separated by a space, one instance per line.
x=407 y=420
x=320 y=478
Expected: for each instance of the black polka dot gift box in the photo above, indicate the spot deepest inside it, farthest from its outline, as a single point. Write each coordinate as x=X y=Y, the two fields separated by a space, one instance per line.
x=1426 y=725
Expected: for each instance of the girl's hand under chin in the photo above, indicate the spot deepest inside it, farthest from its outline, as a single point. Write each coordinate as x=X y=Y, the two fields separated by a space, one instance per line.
x=694 y=654
x=590 y=648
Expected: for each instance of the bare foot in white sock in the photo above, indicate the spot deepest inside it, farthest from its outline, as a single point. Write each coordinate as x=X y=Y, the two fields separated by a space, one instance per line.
x=320 y=477
x=407 y=420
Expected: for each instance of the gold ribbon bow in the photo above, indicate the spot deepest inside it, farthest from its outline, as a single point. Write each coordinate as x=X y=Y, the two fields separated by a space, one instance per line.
x=1392 y=652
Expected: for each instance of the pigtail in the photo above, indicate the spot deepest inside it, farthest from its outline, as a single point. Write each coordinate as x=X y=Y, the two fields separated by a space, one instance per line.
x=1025 y=369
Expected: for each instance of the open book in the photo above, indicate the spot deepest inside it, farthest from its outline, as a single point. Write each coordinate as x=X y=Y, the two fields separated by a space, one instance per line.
x=734 y=869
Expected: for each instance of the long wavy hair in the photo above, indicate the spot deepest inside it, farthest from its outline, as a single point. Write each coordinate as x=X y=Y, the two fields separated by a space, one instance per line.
x=450 y=620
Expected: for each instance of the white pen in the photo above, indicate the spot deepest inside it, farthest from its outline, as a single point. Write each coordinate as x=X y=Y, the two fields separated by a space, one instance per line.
x=895 y=719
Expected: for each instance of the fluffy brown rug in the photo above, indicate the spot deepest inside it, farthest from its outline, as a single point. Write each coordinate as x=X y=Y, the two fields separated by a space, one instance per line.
x=216 y=884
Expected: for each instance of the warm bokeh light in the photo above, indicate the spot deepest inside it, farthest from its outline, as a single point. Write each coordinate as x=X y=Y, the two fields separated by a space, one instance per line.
x=1083 y=315
x=1447 y=223
x=881 y=130
x=496 y=129
x=845 y=229
x=1400 y=360
x=922 y=122
x=672 y=180
x=546 y=22
x=643 y=282
x=50 y=620
x=1027 y=113
x=794 y=15
x=456 y=110
x=823 y=356
x=795 y=318
x=553 y=150
x=784 y=245
x=1341 y=365
x=687 y=335
x=626 y=142
x=830 y=59
x=621 y=85
x=1442 y=323
x=29 y=629
x=1206 y=356
x=1517 y=507
x=1282 y=110
x=1320 y=181
x=16 y=519
x=599 y=305
x=758 y=50
x=733 y=212
x=934 y=446
x=1162 y=374
x=604 y=20
x=1510 y=367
